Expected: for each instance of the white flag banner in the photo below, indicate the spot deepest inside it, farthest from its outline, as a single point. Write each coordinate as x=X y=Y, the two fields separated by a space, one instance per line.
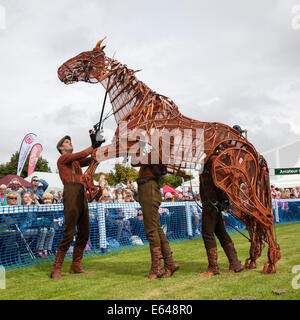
x=25 y=148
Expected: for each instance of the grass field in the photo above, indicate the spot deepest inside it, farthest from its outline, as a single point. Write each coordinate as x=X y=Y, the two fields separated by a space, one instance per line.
x=121 y=276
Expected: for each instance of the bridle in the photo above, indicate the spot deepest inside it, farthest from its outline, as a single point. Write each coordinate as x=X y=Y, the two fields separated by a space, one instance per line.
x=87 y=68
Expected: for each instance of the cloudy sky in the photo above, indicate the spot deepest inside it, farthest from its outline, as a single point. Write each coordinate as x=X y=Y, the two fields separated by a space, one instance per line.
x=235 y=62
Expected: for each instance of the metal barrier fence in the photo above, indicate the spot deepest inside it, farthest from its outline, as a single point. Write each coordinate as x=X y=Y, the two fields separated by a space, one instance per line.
x=30 y=235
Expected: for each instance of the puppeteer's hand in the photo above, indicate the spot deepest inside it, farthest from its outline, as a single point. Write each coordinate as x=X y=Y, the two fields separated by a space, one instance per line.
x=95 y=144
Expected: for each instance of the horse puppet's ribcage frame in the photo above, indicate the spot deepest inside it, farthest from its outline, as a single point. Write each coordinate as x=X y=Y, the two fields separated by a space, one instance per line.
x=243 y=176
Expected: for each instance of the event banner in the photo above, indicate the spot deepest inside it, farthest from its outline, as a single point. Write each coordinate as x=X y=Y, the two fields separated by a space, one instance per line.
x=34 y=157
x=26 y=145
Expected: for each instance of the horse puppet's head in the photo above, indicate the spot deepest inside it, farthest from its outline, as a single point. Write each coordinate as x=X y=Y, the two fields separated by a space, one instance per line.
x=88 y=66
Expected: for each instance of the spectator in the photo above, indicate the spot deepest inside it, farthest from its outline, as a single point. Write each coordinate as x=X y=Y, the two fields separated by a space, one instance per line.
x=129 y=196
x=297 y=193
x=59 y=197
x=287 y=193
x=278 y=193
x=12 y=199
x=48 y=227
x=33 y=225
x=28 y=199
x=8 y=236
x=39 y=186
x=117 y=225
x=274 y=192
x=3 y=195
x=292 y=195
x=102 y=181
x=105 y=198
x=282 y=193
x=55 y=198
x=130 y=186
x=104 y=185
x=191 y=192
x=16 y=186
x=176 y=196
x=48 y=198
x=294 y=191
x=283 y=204
x=119 y=194
x=196 y=217
x=137 y=224
x=186 y=197
x=168 y=197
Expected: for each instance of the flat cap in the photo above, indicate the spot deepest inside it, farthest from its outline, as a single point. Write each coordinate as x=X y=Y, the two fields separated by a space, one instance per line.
x=61 y=141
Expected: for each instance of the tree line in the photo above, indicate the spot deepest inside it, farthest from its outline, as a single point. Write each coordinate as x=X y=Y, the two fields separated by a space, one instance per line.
x=120 y=173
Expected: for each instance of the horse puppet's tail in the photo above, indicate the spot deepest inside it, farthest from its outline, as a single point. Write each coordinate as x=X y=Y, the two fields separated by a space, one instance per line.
x=244 y=177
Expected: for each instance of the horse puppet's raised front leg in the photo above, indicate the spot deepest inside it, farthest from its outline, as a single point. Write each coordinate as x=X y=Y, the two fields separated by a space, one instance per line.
x=108 y=152
x=94 y=192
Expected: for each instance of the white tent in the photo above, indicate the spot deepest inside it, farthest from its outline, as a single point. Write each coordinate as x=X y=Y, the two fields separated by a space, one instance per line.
x=285 y=156
x=52 y=179
x=194 y=183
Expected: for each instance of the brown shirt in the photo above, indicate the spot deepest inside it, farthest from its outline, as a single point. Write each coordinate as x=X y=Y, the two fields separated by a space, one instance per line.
x=145 y=171
x=69 y=165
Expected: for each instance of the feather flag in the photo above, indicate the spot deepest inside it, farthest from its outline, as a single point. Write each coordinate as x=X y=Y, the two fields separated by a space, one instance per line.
x=26 y=145
x=34 y=157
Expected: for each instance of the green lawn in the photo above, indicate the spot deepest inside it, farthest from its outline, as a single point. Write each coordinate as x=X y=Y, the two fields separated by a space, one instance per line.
x=122 y=275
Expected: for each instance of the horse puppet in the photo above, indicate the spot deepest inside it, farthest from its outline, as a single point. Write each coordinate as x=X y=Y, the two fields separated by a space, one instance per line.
x=150 y=123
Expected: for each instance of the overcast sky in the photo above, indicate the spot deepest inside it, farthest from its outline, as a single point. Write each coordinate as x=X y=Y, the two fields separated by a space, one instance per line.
x=235 y=62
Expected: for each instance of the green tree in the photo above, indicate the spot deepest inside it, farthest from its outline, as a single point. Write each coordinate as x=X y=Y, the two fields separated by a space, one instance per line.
x=174 y=181
x=121 y=174
x=11 y=166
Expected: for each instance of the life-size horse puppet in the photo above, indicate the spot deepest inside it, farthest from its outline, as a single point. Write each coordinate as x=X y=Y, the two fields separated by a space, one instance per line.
x=237 y=169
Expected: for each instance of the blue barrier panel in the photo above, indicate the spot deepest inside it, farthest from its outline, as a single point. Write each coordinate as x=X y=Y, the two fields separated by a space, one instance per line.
x=30 y=235
x=286 y=210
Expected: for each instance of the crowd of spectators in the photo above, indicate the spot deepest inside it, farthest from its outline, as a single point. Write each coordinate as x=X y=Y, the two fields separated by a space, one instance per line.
x=14 y=193
x=120 y=194
x=124 y=224
x=285 y=193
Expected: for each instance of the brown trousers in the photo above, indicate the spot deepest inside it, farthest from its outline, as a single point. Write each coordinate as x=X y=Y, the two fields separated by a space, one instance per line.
x=76 y=214
x=212 y=221
x=150 y=200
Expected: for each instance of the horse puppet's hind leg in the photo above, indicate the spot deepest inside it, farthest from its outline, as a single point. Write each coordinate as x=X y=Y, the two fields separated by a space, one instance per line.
x=236 y=171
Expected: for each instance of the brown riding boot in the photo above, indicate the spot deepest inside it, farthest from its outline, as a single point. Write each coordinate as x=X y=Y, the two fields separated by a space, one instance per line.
x=77 y=257
x=234 y=263
x=212 y=268
x=156 y=270
x=57 y=264
x=170 y=265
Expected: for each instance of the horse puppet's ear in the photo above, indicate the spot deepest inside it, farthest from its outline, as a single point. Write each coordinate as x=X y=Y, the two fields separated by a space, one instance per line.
x=98 y=45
